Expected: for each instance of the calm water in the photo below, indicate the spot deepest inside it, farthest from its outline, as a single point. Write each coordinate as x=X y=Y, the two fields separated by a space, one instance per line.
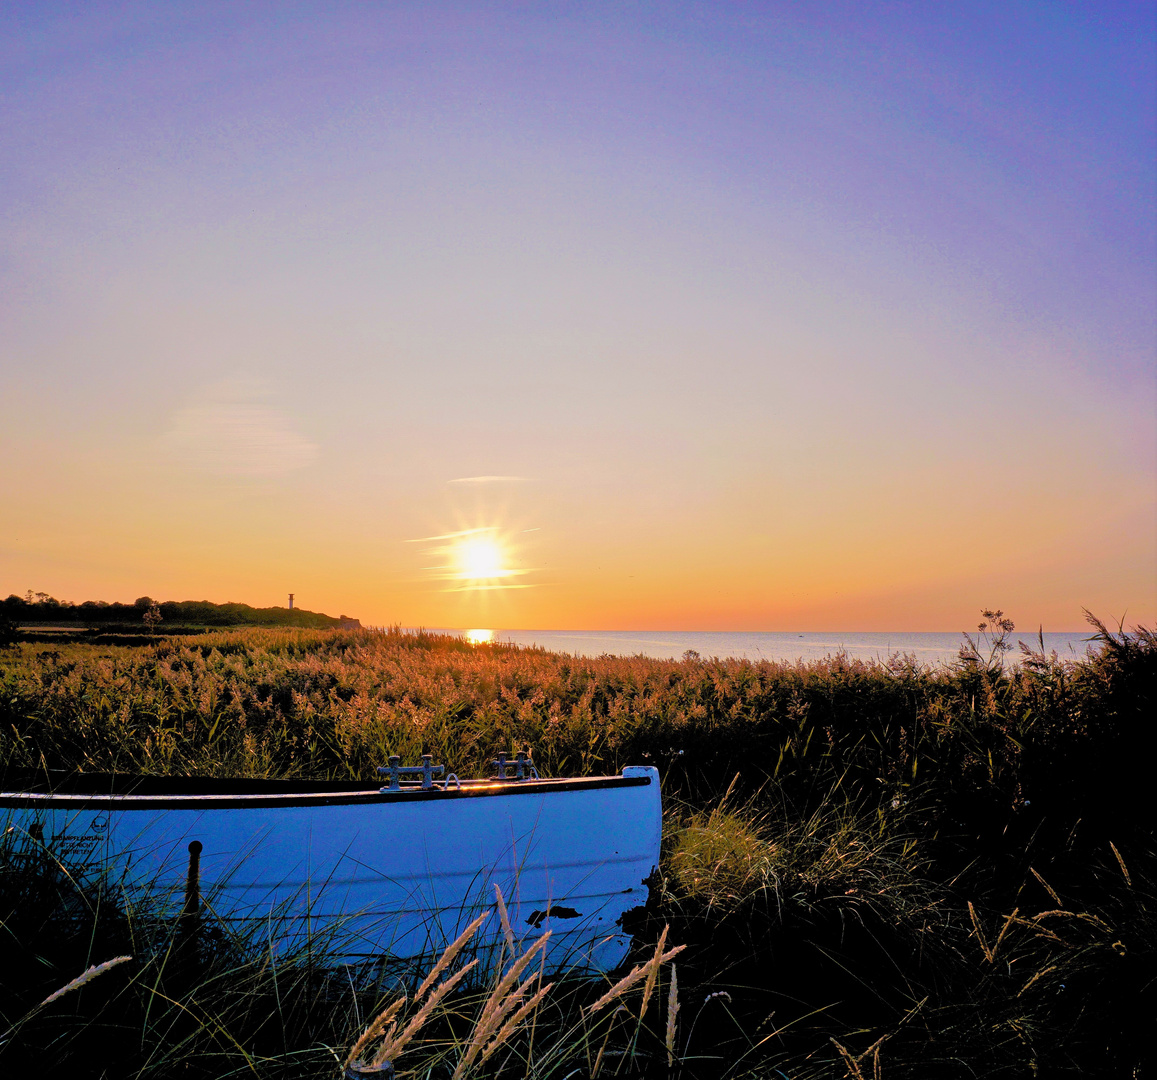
x=927 y=648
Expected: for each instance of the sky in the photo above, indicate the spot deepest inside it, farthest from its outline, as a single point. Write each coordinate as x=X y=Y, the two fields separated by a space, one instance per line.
x=729 y=316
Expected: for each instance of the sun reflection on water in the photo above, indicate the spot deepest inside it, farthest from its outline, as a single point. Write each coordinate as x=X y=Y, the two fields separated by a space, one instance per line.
x=479 y=637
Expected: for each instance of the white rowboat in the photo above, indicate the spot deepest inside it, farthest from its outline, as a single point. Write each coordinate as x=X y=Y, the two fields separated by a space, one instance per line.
x=375 y=875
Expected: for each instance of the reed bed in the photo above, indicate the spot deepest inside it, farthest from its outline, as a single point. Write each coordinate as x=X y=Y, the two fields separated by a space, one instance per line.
x=869 y=870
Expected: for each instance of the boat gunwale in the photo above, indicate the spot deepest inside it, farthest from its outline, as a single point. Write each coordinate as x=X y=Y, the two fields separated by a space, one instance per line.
x=370 y=796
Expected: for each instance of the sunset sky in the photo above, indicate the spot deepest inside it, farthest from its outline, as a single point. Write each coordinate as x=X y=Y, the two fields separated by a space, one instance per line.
x=606 y=316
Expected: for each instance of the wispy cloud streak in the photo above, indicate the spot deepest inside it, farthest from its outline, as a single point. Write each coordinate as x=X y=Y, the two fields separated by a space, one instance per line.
x=232 y=435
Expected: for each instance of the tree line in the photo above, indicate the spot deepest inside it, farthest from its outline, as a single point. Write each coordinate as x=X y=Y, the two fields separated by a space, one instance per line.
x=39 y=607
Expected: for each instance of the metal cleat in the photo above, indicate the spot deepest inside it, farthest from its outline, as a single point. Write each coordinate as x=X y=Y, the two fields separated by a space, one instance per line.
x=427 y=771
x=522 y=765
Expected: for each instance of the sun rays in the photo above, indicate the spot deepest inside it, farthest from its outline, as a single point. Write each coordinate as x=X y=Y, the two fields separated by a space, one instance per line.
x=475 y=560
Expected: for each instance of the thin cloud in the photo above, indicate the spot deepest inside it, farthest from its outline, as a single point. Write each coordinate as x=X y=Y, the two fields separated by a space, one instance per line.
x=449 y=536
x=490 y=480
x=492 y=587
x=237 y=438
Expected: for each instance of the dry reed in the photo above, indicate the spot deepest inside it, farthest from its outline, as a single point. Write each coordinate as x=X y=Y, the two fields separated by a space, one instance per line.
x=672 y=1015
x=83 y=978
x=507 y=929
x=392 y=1048
x=653 y=974
x=1121 y=863
x=377 y=1028
x=383 y=1025
x=447 y=957
x=647 y=970
x=503 y=999
x=514 y=1022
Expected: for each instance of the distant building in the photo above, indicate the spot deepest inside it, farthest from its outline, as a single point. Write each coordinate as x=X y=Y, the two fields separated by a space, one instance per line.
x=291 y=601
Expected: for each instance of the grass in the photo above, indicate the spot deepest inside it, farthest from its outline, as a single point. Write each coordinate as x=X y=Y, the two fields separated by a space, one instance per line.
x=876 y=869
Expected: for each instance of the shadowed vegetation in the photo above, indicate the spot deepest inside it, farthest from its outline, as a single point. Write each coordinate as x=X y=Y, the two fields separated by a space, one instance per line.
x=878 y=869
x=97 y=618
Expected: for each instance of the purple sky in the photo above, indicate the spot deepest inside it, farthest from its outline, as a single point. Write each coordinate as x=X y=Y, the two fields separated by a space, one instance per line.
x=783 y=316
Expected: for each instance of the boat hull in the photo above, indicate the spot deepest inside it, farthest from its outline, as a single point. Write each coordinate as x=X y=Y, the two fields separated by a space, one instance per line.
x=372 y=876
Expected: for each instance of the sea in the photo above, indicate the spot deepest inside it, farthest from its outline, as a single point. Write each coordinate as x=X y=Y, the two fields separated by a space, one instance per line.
x=928 y=648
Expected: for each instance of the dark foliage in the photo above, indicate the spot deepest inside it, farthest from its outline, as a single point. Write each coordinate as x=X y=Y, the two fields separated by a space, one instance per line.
x=40 y=608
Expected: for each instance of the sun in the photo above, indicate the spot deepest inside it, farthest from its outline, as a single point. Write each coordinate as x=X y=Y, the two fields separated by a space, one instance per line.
x=479 y=558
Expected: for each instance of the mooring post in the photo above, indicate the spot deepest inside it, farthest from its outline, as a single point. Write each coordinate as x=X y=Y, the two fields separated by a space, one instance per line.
x=191 y=912
x=193 y=882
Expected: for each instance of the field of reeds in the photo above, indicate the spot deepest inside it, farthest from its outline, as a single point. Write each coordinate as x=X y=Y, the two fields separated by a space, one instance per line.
x=874 y=870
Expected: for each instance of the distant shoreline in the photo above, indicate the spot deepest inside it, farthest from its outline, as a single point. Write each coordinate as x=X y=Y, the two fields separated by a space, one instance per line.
x=928 y=647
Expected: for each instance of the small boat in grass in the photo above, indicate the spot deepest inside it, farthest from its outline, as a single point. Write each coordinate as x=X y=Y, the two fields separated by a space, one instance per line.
x=378 y=874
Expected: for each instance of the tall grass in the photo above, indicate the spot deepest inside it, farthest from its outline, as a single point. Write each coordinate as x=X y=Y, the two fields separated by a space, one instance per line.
x=877 y=869
x=223 y=1003
x=333 y=703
